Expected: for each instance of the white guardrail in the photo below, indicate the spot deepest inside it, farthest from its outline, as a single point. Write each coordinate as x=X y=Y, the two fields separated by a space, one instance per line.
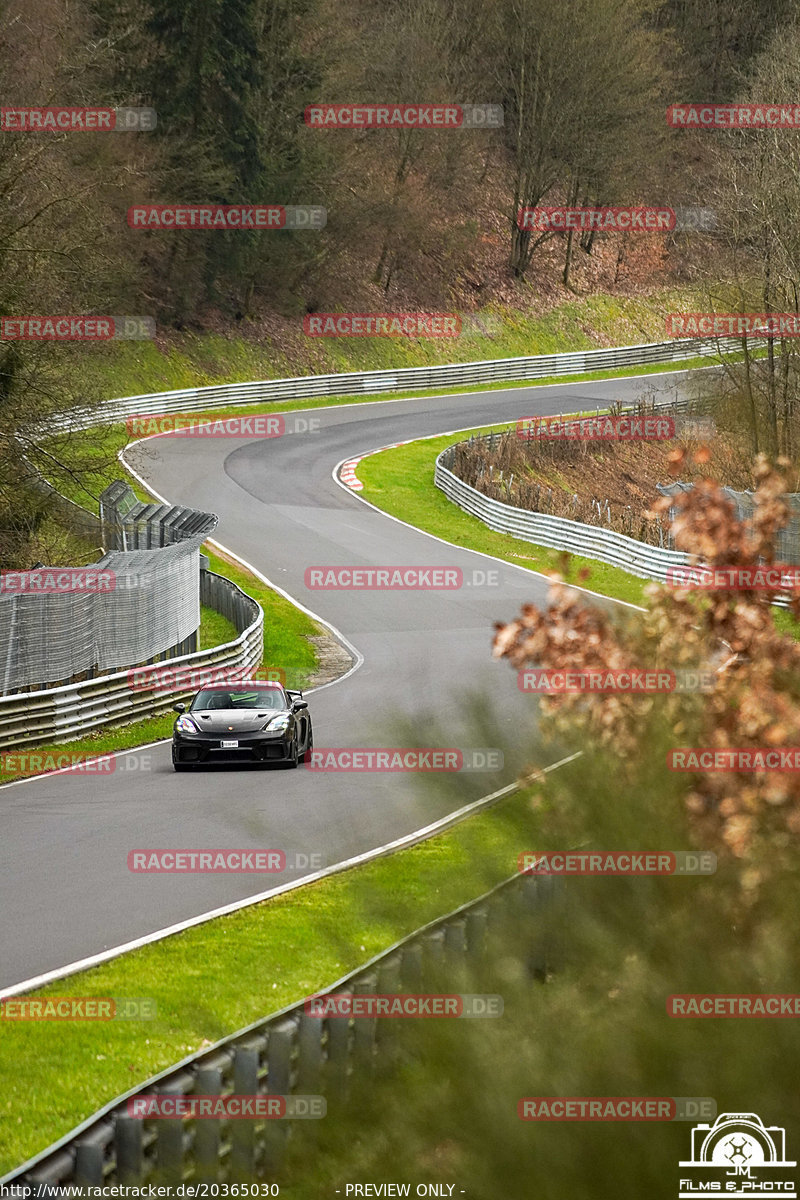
x=559 y=533
x=306 y=387
x=53 y=714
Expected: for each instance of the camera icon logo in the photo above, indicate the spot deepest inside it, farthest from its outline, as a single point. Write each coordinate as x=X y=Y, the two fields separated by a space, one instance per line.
x=738 y=1154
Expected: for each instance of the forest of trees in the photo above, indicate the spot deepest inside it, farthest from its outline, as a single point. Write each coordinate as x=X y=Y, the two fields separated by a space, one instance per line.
x=583 y=85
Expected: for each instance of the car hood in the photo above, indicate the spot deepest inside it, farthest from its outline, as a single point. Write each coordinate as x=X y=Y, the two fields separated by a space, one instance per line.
x=233 y=720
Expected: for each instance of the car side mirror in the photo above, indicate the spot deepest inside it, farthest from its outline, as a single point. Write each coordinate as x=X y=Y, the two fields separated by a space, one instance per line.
x=179 y=708
x=299 y=704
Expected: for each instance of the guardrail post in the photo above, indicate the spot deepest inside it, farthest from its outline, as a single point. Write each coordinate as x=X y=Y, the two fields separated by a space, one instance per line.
x=129 y=1149
x=88 y=1163
x=389 y=984
x=207 y=1134
x=476 y=924
x=455 y=963
x=455 y=940
x=243 y=1131
x=280 y=1042
x=537 y=922
x=309 y=1065
x=364 y=1027
x=555 y=902
x=432 y=957
x=411 y=967
x=337 y=1059
x=169 y=1141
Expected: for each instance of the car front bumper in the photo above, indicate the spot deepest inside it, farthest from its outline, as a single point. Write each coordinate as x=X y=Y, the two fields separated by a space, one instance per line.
x=251 y=747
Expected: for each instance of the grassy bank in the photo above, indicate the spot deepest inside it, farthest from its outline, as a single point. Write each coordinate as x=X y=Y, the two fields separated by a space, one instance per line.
x=400 y=482
x=183 y=360
x=218 y=977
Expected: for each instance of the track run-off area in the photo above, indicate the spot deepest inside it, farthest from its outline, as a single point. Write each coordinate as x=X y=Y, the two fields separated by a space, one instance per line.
x=66 y=892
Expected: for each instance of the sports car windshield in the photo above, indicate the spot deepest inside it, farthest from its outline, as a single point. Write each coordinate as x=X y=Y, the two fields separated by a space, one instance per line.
x=262 y=698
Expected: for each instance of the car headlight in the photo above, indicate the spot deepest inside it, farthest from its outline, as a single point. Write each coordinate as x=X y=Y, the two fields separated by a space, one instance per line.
x=278 y=723
x=185 y=724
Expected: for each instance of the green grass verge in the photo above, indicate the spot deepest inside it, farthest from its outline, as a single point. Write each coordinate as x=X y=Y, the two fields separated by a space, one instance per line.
x=400 y=481
x=287 y=629
x=218 y=977
x=215 y=630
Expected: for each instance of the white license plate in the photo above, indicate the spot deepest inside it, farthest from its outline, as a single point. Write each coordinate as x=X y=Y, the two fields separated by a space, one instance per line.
x=230 y=745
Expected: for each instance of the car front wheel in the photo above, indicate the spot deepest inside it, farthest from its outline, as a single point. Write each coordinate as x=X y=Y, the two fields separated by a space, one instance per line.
x=293 y=758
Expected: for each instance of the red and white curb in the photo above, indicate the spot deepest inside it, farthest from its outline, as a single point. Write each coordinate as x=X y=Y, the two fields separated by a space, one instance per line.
x=346 y=471
x=347 y=474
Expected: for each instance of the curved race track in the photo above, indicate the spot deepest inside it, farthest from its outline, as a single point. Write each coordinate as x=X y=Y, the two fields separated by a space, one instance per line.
x=65 y=890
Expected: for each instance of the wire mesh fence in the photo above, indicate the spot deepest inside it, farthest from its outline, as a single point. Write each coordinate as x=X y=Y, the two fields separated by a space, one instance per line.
x=138 y=603
x=787 y=549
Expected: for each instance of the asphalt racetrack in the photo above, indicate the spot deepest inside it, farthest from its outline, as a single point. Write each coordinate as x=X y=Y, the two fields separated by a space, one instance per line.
x=66 y=892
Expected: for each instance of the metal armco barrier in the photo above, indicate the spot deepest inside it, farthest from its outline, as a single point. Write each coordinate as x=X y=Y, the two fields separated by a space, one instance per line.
x=57 y=714
x=73 y=708
x=304 y=387
x=559 y=533
x=292 y=1052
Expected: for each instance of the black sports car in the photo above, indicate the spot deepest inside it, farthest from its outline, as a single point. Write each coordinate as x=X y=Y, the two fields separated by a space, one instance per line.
x=253 y=721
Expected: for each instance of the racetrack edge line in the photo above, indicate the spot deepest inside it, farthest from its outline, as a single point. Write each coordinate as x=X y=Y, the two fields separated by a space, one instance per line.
x=403 y=843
